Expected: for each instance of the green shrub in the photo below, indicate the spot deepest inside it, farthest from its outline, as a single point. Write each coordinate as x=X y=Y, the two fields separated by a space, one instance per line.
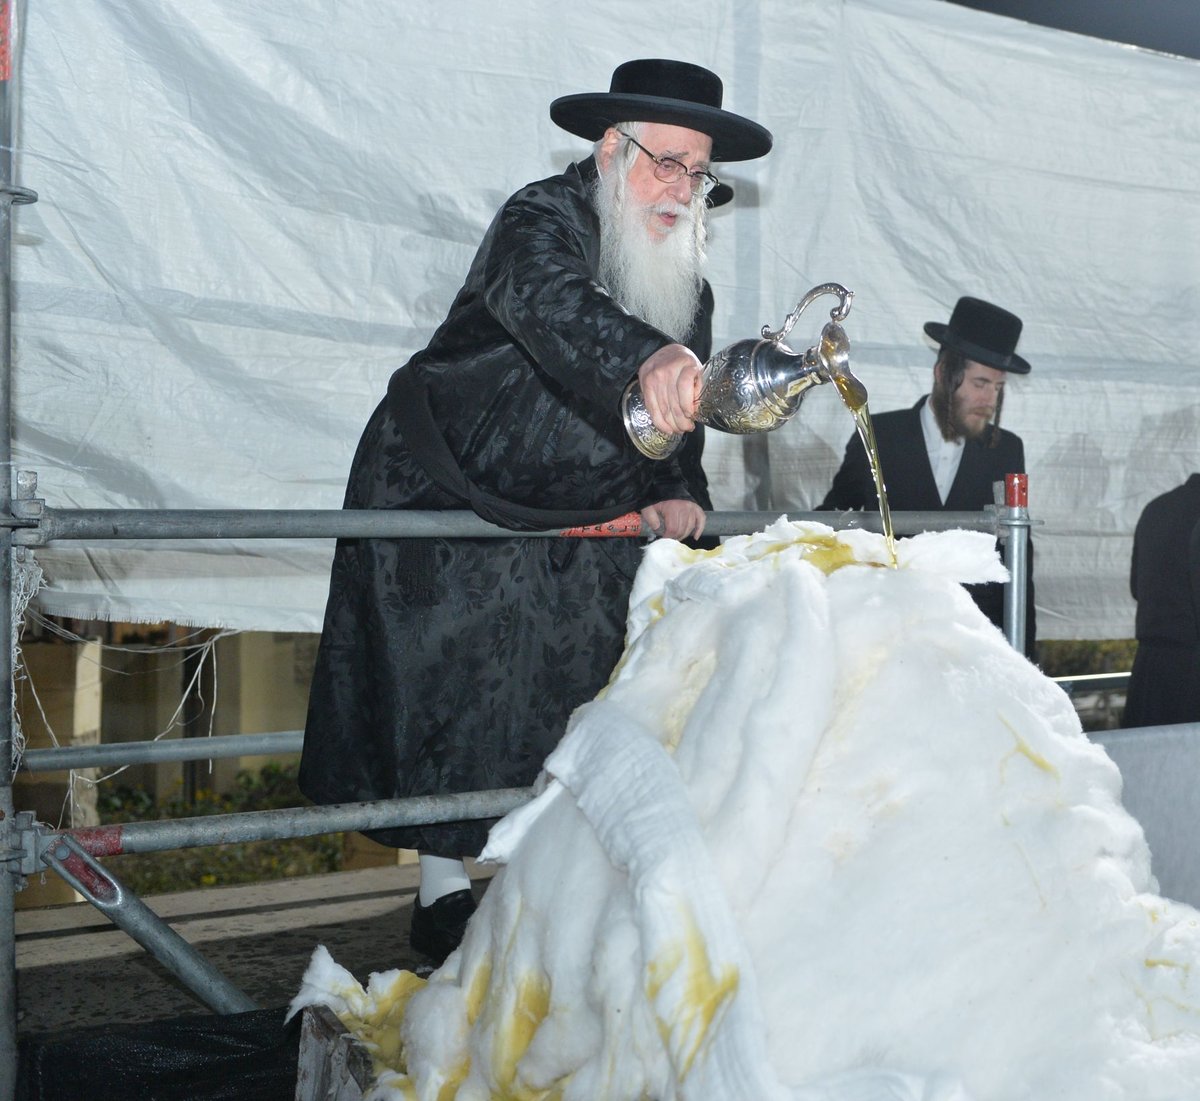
x=1085 y=657
x=272 y=787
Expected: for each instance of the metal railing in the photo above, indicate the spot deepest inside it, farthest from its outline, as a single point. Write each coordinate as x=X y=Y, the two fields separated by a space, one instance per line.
x=1076 y=686
x=27 y=846
x=33 y=524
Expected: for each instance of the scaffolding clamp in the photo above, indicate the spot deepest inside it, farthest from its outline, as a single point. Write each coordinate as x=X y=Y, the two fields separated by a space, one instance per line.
x=18 y=196
x=26 y=511
x=80 y=869
x=23 y=855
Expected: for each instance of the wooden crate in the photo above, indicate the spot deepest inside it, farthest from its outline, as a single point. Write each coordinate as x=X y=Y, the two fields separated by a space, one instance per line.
x=332 y=1065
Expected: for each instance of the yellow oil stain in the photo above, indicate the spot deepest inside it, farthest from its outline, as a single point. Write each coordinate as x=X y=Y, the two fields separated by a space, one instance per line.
x=692 y=555
x=515 y=1028
x=1154 y=1026
x=456 y=1077
x=657 y=611
x=773 y=548
x=825 y=551
x=828 y=553
x=693 y=680
x=703 y=998
x=1183 y=970
x=477 y=989
x=1024 y=749
x=661 y=969
x=514 y=1024
x=379 y=1031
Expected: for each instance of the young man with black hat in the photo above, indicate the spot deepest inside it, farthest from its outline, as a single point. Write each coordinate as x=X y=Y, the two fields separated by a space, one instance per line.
x=948 y=450
x=450 y=665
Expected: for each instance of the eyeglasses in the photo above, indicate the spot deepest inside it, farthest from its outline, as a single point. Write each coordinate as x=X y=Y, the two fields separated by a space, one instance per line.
x=669 y=170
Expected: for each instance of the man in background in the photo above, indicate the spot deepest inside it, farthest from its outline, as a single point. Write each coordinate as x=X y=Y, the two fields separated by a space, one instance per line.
x=947 y=452
x=1164 y=578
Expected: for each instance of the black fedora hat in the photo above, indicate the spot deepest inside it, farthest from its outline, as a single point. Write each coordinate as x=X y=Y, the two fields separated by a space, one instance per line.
x=673 y=92
x=984 y=333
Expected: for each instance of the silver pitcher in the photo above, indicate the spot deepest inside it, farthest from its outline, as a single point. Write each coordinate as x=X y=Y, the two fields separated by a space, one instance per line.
x=757 y=385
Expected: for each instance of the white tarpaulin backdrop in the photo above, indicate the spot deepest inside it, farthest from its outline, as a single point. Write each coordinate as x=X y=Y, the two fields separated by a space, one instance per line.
x=250 y=214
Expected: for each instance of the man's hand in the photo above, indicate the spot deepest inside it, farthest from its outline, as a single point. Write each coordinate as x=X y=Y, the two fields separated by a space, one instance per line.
x=675 y=519
x=670 y=381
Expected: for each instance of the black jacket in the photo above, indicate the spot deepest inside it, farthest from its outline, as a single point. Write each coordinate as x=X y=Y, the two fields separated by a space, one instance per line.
x=525 y=375
x=1163 y=578
x=451 y=665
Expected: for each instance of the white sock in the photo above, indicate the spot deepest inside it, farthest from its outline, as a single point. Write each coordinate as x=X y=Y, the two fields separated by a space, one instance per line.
x=441 y=876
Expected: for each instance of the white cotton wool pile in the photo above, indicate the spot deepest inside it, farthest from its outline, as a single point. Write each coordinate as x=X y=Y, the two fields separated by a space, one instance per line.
x=824 y=837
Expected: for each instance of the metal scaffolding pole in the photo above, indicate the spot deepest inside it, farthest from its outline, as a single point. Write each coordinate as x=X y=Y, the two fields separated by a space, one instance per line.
x=104 y=891
x=9 y=194
x=1016 y=555
x=1016 y=522
x=35 y=524
x=72 y=853
x=9 y=847
x=268 y=825
x=118 y=754
x=284 y=742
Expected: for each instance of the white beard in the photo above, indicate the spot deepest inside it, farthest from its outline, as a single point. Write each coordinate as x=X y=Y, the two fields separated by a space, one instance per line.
x=657 y=278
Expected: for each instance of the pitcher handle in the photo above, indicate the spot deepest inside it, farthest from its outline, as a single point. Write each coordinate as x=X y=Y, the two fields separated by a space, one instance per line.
x=839 y=313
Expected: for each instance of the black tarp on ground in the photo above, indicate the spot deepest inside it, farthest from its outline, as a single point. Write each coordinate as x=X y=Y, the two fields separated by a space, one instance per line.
x=239 y=1057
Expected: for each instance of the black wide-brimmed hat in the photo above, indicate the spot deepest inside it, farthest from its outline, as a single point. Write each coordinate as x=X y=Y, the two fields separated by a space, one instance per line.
x=984 y=333
x=673 y=92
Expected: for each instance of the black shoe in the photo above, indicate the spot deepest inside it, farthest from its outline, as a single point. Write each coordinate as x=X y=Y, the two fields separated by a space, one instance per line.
x=438 y=928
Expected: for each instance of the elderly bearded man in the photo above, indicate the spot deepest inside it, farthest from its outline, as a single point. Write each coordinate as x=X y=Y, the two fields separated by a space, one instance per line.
x=947 y=452
x=450 y=665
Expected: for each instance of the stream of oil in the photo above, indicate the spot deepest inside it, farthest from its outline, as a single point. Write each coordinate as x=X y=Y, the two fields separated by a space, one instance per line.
x=854 y=395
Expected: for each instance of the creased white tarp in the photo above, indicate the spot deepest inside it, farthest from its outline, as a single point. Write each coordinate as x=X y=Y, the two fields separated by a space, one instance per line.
x=249 y=215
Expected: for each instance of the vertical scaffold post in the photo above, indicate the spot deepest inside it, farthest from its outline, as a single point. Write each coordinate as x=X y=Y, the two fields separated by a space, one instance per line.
x=9 y=847
x=1015 y=518
x=8 y=840
x=9 y=855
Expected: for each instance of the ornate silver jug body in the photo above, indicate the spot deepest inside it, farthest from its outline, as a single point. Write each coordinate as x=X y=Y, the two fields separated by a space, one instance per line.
x=754 y=385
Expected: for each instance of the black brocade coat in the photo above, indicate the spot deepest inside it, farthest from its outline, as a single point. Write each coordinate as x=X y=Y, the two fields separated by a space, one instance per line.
x=451 y=665
x=911 y=487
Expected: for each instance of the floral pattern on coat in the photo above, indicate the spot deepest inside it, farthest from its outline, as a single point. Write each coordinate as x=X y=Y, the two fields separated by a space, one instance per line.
x=450 y=665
